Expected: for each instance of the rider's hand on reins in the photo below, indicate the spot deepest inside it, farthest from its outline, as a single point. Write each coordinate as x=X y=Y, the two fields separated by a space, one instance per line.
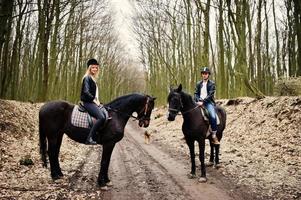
x=200 y=104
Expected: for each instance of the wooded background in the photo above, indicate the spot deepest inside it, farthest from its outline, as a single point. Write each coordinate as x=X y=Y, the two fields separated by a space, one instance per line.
x=249 y=46
x=45 y=44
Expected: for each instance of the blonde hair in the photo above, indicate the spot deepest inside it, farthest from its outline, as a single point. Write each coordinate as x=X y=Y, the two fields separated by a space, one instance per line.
x=88 y=73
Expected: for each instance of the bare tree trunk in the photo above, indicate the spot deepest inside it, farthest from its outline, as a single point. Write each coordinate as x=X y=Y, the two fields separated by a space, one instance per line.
x=297 y=16
x=54 y=45
x=267 y=72
x=6 y=8
x=258 y=47
x=251 y=71
x=222 y=82
x=278 y=65
x=291 y=40
x=16 y=48
x=206 y=11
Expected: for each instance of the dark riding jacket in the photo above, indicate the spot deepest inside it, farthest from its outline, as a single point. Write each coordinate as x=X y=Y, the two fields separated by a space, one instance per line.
x=88 y=91
x=210 y=92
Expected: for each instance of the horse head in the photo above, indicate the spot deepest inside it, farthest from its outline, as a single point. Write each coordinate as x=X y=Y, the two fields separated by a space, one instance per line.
x=174 y=102
x=145 y=112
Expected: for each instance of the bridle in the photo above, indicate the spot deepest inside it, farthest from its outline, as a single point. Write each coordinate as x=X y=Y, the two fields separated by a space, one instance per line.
x=178 y=97
x=181 y=107
x=144 y=110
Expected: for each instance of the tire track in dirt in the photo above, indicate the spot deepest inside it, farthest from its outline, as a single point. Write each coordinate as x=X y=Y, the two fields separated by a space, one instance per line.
x=84 y=179
x=137 y=176
x=143 y=171
x=177 y=170
x=84 y=175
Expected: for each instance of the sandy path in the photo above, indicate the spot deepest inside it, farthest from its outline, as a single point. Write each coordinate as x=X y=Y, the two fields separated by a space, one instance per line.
x=143 y=171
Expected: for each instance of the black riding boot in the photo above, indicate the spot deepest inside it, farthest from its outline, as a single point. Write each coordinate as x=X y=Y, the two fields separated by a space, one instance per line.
x=93 y=130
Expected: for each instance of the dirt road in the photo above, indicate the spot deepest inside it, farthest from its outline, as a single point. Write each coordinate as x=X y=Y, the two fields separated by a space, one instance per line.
x=144 y=171
x=137 y=170
x=159 y=170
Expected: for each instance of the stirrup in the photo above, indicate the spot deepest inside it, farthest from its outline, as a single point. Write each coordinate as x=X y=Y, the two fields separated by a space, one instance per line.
x=90 y=141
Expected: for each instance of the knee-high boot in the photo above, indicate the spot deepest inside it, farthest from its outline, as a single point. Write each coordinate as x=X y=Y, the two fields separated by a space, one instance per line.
x=93 y=130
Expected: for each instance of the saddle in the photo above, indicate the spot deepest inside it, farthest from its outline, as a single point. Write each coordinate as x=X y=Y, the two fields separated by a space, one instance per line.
x=205 y=114
x=81 y=118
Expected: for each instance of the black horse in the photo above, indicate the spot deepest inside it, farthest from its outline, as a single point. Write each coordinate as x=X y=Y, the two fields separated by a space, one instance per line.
x=195 y=127
x=55 y=120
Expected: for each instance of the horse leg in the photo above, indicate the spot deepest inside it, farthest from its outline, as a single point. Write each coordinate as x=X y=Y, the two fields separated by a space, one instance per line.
x=216 y=161
x=202 y=159
x=103 y=178
x=190 y=143
x=53 y=158
x=211 y=159
x=58 y=146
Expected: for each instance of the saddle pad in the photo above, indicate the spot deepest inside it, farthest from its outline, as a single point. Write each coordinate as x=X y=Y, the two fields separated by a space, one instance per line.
x=206 y=118
x=79 y=119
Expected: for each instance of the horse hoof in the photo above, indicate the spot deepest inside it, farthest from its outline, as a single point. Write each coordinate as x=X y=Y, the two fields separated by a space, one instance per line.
x=109 y=184
x=104 y=188
x=191 y=176
x=202 y=180
x=56 y=177
x=217 y=166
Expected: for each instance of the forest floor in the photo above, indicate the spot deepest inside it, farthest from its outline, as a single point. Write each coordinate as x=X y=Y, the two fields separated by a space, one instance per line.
x=260 y=157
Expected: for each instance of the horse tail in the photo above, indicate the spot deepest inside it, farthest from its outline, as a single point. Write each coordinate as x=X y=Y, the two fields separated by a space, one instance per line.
x=223 y=114
x=43 y=141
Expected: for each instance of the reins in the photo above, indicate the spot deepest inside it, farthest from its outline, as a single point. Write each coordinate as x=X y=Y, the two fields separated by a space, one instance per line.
x=179 y=111
x=190 y=110
x=144 y=109
x=117 y=111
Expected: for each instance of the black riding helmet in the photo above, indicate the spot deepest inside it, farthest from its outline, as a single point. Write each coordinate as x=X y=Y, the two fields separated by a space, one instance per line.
x=205 y=69
x=92 y=61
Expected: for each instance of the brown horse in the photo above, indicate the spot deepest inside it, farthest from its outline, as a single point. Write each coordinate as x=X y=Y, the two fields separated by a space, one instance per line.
x=195 y=127
x=55 y=120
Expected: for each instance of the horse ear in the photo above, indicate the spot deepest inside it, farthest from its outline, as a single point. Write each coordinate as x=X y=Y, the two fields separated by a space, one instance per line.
x=179 y=88
x=152 y=97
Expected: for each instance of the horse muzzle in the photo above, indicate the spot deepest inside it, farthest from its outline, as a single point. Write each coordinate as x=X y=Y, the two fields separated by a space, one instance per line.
x=144 y=123
x=171 y=117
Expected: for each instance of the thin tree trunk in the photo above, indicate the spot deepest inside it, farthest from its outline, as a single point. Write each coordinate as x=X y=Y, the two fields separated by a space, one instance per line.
x=5 y=31
x=222 y=76
x=6 y=10
x=297 y=16
x=291 y=40
x=258 y=47
x=278 y=65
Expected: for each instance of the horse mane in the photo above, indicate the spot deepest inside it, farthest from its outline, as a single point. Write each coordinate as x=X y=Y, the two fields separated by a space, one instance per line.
x=122 y=100
x=187 y=97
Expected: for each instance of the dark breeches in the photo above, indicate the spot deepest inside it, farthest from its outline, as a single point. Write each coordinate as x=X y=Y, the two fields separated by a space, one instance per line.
x=95 y=111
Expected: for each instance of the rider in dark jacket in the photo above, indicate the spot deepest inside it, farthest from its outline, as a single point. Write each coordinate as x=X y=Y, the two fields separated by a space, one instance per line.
x=88 y=91
x=210 y=92
x=89 y=97
x=204 y=96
